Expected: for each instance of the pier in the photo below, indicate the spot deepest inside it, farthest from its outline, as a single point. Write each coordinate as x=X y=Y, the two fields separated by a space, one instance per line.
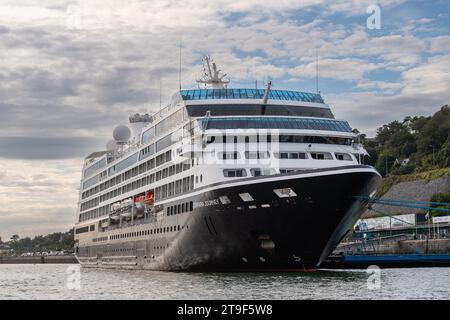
x=66 y=259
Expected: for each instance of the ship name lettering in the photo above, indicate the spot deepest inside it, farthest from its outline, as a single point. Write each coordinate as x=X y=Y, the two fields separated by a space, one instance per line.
x=206 y=203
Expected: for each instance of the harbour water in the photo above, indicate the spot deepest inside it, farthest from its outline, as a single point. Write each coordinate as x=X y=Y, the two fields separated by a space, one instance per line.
x=41 y=281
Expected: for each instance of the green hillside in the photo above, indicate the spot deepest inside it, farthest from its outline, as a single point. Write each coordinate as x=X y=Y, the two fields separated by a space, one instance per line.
x=414 y=145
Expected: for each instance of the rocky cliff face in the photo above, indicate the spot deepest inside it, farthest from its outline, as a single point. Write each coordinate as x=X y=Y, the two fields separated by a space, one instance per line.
x=418 y=190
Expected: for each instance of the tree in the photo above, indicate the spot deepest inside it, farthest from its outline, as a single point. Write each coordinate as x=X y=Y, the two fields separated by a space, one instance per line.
x=385 y=132
x=417 y=123
x=434 y=133
x=443 y=156
x=385 y=162
x=15 y=237
x=425 y=141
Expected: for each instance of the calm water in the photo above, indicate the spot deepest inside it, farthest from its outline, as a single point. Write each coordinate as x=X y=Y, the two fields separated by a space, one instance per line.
x=50 y=282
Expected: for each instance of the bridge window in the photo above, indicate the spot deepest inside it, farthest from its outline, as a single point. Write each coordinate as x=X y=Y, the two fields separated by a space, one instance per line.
x=231 y=173
x=257 y=155
x=228 y=155
x=256 y=172
x=205 y=94
x=321 y=156
x=291 y=155
x=343 y=156
x=276 y=123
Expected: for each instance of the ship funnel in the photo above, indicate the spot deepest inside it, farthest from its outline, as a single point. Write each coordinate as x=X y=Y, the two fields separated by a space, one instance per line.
x=137 y=123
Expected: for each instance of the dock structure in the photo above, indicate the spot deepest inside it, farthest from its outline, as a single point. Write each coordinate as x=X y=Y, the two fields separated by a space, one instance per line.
x=387 y=261
x=66 y=259
x=399 y=229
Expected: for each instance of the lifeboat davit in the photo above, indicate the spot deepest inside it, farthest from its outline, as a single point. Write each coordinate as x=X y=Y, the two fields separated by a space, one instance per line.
x=127 y=203
x=126 y=214
x=139 y=202
x=105 y=224
x=115 y=207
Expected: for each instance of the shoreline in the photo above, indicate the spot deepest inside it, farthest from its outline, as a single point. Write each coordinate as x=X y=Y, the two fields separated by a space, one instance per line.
x=67 y=259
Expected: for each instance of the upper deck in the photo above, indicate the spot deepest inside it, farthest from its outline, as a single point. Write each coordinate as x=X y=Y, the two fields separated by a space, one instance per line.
x=216 y=94
x=252 y=102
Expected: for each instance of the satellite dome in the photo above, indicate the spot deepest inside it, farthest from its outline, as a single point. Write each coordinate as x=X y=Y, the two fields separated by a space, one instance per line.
x=121 y=134
x=111 y=145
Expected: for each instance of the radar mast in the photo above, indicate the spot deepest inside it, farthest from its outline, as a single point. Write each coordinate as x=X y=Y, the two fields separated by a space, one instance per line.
x=212 y=75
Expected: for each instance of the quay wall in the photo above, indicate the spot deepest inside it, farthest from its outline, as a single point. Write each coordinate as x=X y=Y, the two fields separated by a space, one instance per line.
x=69 y=259
x=431 y=246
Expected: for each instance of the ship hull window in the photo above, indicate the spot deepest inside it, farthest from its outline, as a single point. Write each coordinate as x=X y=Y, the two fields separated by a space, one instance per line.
x=232 y=173
x=321 y=156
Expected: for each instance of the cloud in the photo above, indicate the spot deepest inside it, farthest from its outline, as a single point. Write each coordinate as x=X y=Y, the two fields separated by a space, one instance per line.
x=386 y=87
x=423 y=91
x=431 y=79
x=36 y=221
x=158 y=15
x=38 y=197
x=355 y=7
x=340 y=69
x=3 y=29
x=440 y=44
x=40 y=148
x=72 y=70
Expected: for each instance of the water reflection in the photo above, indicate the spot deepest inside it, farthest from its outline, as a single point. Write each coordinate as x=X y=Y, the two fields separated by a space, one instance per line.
x=49 y=282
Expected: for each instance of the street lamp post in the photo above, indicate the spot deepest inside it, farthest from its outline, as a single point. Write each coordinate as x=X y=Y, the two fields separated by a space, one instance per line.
x=434 y=162
x=387 y=166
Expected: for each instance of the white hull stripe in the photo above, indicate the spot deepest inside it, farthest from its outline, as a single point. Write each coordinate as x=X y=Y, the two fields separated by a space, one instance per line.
x=268 y=179
x=257 y=180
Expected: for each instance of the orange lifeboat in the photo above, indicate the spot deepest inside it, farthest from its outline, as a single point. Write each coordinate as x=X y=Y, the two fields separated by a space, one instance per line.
x=149 y=198
x=139 y=199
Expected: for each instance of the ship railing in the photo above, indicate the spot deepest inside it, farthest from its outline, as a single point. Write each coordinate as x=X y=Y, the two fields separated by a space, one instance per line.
x=118 y=257
x=397 y=237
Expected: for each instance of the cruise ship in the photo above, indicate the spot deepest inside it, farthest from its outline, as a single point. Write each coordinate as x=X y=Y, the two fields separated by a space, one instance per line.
x=224 y=179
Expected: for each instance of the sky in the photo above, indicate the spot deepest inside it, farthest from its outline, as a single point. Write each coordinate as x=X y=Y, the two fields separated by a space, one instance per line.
x=70 y=71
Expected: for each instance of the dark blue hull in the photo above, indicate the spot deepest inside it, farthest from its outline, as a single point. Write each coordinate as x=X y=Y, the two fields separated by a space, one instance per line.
x=294 y=233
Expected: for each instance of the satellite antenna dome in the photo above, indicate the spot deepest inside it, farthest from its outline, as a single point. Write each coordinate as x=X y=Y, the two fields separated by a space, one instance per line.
x=121 y=134
x=111 y=145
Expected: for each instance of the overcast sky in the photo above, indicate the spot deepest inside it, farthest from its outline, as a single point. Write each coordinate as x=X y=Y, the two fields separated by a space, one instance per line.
x=72 y=70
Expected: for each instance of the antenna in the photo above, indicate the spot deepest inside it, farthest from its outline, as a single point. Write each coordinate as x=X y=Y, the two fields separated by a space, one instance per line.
x=317 y=72
x=179 y=70
x=160 y=90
